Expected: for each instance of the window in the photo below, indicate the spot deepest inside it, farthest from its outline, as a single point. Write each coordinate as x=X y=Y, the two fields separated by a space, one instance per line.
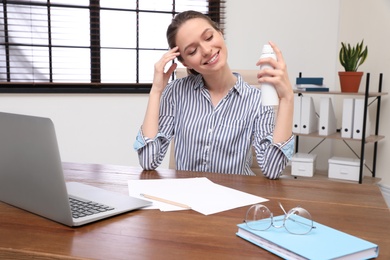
x=87 y=45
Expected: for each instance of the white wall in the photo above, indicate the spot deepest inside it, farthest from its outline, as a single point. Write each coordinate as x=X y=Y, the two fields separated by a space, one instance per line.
x=101 y=128
x=90 y=128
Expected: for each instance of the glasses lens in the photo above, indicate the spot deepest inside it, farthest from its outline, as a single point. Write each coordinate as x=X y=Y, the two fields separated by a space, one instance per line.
x=258 y=217
x=298 y=221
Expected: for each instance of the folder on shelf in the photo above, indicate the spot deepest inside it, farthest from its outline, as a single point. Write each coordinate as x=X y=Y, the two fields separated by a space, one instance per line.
x=309 y=120
x=358 y=120
x=297 y=114
x=327 y=121
x=347 y=117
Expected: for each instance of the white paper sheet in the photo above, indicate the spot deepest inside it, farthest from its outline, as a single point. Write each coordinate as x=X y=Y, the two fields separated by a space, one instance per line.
x=201 y=194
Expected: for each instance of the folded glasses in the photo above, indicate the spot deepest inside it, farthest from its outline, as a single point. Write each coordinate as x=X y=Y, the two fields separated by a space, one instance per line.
x=296 y=221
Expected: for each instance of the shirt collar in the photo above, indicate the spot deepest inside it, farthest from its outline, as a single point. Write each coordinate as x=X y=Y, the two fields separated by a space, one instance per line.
x=239 y=86
x=198 y=81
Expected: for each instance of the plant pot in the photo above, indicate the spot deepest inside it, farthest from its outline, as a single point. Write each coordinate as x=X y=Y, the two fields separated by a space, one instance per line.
x=350 y=81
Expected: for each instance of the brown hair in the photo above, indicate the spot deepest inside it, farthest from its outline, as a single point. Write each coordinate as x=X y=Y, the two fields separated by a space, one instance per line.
x=178 y=21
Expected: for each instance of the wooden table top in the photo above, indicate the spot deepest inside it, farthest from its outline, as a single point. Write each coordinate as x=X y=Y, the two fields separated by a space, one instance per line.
x=358 y=209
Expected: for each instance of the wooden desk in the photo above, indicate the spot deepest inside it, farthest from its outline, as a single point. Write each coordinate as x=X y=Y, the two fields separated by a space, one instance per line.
x=150 y=234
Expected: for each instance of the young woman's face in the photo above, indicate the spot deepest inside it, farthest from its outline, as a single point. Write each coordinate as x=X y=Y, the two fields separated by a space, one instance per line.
x=201 y=47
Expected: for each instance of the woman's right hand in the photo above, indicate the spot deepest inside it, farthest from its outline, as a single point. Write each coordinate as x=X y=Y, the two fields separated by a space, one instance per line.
x=160 y=81
x=161 y=78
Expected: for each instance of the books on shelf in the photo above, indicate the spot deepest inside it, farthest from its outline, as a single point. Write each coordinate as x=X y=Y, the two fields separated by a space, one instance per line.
x=311 y=88
x=322 y=242
x=311 y=84
x=311 y=81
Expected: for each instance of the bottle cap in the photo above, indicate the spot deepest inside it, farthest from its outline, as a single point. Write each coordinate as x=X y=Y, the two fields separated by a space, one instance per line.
x=267 y=49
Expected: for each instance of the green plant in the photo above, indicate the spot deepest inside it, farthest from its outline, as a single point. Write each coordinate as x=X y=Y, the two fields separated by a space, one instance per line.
x=352 y=57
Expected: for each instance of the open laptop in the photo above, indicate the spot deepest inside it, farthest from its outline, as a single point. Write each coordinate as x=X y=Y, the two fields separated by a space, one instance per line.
x=31 y=176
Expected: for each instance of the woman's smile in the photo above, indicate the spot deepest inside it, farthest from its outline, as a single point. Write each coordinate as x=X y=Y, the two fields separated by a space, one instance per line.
x=213 y=59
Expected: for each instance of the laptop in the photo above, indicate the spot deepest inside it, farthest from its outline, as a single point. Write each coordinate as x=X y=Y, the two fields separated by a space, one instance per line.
x=31 y=176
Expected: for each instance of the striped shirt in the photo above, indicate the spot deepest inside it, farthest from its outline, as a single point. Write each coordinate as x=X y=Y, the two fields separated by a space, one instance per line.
x=215 y=139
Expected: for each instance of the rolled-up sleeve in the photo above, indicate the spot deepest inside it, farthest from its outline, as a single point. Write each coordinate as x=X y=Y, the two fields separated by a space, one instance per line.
x=151 y=152
x=286 y=147
x=271 y=157
x=275 y=156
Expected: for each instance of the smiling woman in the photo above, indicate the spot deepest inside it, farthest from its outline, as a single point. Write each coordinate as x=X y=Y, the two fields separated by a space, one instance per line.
x=108 y=43
x=214 y=116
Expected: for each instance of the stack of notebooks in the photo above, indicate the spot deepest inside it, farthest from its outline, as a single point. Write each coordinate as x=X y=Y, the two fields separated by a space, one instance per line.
x=322 y=242
x=311 y=84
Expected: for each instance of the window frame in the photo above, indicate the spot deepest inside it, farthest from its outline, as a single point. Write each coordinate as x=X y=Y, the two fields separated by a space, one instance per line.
x=216 y=12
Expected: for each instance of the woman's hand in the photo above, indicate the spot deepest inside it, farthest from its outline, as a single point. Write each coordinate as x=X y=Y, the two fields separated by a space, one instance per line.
x=161 y=78
x=278 y=76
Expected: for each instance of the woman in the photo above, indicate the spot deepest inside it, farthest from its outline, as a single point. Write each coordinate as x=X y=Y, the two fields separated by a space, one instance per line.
x=213 y=115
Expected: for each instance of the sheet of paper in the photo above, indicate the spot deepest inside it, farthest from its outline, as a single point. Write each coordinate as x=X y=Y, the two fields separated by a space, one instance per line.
x=200 y=194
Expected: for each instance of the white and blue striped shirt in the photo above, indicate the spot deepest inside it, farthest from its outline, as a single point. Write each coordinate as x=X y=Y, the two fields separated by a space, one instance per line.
x=215 y=139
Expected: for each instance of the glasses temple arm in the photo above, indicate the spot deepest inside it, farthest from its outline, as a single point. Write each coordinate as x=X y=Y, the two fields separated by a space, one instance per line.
x=281 y=206
x=285 y=213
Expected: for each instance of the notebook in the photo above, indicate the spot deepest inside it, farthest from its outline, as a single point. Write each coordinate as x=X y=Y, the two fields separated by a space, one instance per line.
x=31 y=176
x=322 y=242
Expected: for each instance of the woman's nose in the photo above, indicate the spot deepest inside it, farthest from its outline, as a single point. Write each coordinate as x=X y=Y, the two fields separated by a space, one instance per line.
x=206 y=50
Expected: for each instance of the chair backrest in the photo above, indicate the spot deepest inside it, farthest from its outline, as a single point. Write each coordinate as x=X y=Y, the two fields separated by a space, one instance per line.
x=249 y=76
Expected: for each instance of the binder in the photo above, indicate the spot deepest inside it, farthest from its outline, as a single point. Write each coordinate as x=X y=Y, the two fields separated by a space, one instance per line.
x=309 y=120
x=297 y=114
x=347 y=117
x=358 y=120
x=327 y=121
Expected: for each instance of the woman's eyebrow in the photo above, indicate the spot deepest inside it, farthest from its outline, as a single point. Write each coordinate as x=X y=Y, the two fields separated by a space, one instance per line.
x=191 y=44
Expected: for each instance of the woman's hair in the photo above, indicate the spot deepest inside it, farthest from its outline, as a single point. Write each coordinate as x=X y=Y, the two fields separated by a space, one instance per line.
x=178 y=21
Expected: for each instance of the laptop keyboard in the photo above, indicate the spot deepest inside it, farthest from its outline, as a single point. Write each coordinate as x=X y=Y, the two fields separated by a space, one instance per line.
x=82 y=208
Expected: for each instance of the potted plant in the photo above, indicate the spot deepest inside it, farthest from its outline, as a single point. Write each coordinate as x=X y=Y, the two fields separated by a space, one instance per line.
x=351 y=57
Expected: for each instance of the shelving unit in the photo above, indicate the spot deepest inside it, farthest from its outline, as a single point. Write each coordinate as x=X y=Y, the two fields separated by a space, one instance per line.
x=375 y=138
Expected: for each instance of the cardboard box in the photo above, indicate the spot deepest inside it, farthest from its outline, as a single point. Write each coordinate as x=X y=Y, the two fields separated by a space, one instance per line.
x=344 y=168
x=303 y=164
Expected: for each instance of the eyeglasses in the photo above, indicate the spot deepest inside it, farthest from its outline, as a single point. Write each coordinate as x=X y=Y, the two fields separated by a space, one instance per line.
x=296 y=221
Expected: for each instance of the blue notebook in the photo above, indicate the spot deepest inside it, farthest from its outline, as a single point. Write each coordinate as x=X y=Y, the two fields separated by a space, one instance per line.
x=305 y=80
x=311 y=89
x=323 y=242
